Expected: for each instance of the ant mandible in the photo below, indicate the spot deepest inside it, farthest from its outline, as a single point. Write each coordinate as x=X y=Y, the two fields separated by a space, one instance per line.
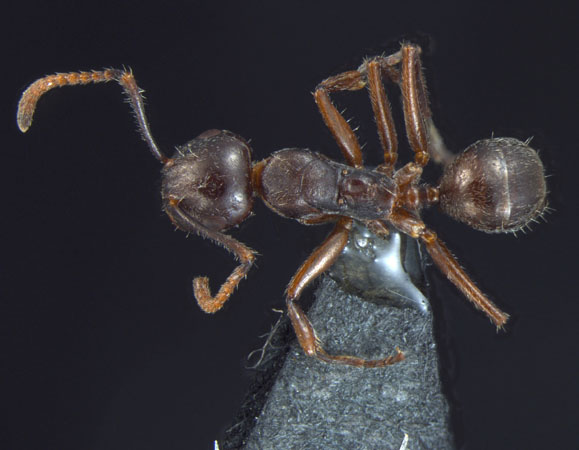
x=495 y=185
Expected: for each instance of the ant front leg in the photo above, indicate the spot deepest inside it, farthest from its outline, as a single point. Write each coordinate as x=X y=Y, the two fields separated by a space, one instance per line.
x=201 y=290
x=318 y=262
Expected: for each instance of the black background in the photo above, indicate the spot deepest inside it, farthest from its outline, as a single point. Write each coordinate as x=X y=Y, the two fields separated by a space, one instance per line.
x=103 y=346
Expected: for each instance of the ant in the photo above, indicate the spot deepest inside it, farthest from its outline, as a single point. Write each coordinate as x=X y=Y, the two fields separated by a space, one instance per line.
x=495 y=185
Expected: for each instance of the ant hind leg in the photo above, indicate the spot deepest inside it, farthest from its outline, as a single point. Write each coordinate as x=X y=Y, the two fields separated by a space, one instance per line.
x=319 y=261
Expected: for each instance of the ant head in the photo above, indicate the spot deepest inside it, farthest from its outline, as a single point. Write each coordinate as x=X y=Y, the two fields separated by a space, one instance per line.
x=496 y=185
x=210 y=178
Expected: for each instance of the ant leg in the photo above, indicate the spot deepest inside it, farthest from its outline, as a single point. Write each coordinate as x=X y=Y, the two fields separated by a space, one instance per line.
x=447 y=264
x=32 y=94
x=436 y=148
x=244 y=254
x=320 y=260
x=369 y=73
x=383 y=116
x=378 y=228
x=415 y=99
x=415 y=103
x=338 y=126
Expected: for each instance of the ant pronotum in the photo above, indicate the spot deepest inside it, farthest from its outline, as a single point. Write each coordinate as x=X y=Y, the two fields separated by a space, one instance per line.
x=495 y=185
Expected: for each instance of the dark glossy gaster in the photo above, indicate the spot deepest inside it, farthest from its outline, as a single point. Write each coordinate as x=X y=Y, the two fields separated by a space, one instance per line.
x=495 y=185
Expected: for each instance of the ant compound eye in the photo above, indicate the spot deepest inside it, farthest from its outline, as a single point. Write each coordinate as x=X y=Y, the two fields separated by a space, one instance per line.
x=496 y=185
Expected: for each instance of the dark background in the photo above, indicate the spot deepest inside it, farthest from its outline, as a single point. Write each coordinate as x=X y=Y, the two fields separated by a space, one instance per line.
x=103 y=346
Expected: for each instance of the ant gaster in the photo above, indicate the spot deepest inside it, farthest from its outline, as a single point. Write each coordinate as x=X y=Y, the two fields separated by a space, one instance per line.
x=495 y=185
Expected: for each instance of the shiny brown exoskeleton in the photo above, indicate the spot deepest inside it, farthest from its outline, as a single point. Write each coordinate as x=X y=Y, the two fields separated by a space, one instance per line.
x=495 y=185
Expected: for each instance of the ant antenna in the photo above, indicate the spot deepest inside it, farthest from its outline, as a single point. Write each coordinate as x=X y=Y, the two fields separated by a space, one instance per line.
x=125 y=78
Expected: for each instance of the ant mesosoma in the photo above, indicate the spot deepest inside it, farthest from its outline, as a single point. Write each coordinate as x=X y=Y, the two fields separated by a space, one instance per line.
x=495 y=185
